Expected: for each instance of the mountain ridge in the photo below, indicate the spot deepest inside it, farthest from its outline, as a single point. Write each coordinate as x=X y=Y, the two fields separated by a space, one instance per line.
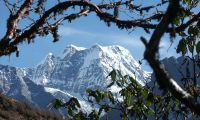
x=72 y=72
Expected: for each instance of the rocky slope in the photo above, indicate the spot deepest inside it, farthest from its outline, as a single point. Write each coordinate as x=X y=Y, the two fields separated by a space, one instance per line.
x=11 y=109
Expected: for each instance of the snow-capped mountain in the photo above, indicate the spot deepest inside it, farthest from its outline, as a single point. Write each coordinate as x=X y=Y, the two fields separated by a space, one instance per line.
x=16 y=83
x=79 y=68
x=70 y=73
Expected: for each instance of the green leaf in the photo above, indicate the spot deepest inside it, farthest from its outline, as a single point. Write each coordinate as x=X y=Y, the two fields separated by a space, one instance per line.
x=73 y=102
x=145 y=93
x=124 y=117
x=132 y=80
x=129 y=98
x=149 y=103
x=177 y=21
x=190 y=30
x=76 y=102
x=98 y=99
x=182 y=34
x=93 y=115
x=111 y=98
x=151 y=112
x=70 y=112
x=150 y=97
x=107 y=108
x=88 y=91
x=182 y=47
x=57 y=104
x=191 y=48
x=198 y=47
x=113 y=75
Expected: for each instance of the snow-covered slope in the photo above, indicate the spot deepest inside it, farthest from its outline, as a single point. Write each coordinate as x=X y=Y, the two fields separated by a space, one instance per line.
x=16 y=83
x=72 y=72
x=80 y=68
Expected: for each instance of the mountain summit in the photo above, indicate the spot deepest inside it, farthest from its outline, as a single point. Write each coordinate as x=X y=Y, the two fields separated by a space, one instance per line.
x=79 y=68
x=69 y=74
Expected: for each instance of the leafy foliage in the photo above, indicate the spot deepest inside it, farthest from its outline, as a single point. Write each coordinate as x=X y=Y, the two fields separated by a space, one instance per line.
x=189 y=41
x=132 y=102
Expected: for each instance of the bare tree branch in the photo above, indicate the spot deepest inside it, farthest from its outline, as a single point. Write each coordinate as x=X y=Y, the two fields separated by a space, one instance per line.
x=8 y=47
x=182 y=27
x=13 y=21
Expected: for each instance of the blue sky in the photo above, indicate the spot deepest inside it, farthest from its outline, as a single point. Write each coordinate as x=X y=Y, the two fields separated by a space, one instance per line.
x=83 y=32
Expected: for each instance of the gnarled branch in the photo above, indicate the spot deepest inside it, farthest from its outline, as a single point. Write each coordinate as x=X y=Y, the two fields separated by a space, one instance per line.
x=162 y=76
x=14 y=19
